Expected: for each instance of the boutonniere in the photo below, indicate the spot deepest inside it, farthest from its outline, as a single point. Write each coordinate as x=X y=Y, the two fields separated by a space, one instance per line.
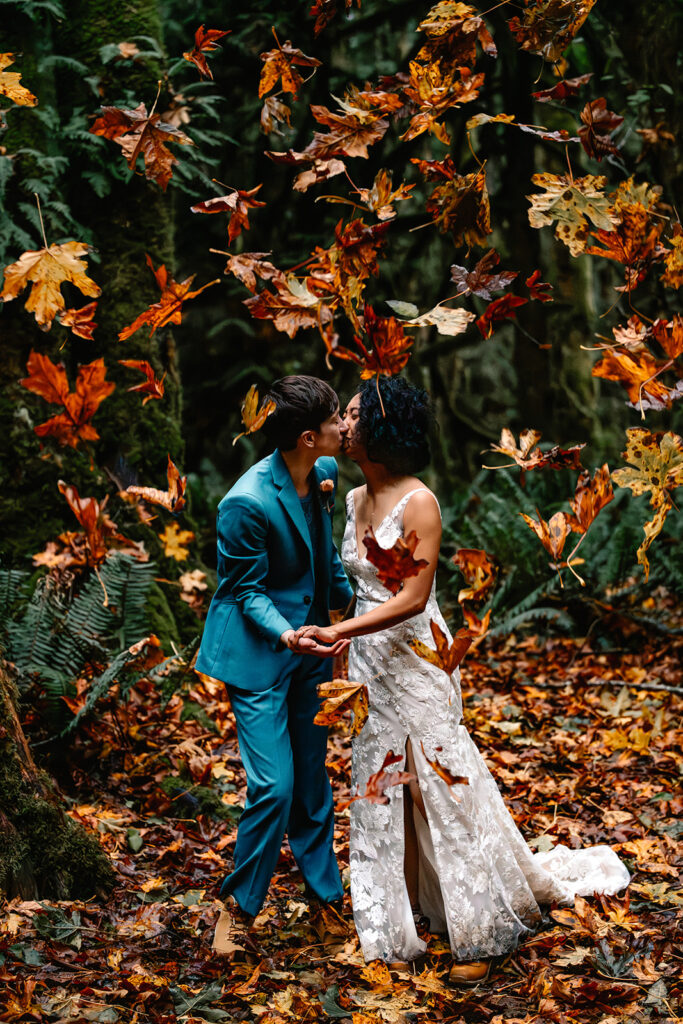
x=326 y=492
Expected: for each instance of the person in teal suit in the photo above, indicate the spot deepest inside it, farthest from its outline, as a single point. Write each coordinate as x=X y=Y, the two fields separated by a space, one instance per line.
x=278 y=570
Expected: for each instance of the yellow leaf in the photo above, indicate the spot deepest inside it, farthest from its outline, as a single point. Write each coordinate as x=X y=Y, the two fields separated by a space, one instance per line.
x=253 y=418
x=10 y=86
x=47 y=269
x=572 y=203
x=175 y=542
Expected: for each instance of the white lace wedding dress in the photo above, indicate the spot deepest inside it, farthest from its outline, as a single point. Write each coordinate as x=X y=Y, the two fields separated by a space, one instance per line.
x=479 y=881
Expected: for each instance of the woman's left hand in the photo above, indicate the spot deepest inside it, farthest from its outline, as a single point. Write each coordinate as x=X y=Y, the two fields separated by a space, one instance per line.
x=323 y=634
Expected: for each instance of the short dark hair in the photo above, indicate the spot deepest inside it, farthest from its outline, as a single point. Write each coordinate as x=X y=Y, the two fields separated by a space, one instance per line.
x=301 y=403
x=396 y=430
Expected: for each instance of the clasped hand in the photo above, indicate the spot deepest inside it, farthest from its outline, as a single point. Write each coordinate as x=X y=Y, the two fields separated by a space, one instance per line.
x=319 y=641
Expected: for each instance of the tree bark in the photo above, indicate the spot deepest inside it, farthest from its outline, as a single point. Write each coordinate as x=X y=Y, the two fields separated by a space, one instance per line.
x=43 y=854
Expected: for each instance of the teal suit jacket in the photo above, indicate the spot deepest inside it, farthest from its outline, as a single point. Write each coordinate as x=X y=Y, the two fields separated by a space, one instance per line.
x=266 y=573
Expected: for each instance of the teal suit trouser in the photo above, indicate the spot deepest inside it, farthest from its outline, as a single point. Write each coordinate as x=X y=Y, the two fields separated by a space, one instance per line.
x=288 y=788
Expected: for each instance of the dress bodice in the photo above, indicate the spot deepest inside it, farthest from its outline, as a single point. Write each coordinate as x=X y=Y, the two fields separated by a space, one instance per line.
x=387 y=533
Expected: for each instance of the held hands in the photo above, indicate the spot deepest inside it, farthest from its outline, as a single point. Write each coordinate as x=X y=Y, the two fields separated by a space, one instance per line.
x=303 y=641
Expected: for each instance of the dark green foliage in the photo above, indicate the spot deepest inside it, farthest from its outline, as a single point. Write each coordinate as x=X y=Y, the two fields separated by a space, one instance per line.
x=487 y=517
x=59 y=632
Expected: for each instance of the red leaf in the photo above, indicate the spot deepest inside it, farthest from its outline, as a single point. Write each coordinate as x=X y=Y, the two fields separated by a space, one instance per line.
x=204 y=42
x=497 y=311
x=394 y=564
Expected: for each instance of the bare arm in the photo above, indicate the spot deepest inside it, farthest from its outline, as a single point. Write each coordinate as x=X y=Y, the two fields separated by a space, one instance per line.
x=422 y=515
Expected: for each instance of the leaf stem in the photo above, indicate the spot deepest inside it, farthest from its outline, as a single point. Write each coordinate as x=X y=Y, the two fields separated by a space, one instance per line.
x=156 y=99
x=40 y=214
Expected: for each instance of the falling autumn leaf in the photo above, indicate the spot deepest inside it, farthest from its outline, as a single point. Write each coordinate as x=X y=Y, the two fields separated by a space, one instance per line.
x=452 y=32
x=10 y=85
x=446 y=656
x=137 y=133
x=387 y=349
x=394 y=564
x=539 y=289
x=562 y=90
x=175 y=542
x=479 y=571
x=98 y=539
x=548 y=28
x=80 y=321
x=497 y=311
x=573 y=204
x=47 y=269
x=552 y=534
x=151 y=387
x=597 y=125
x=253 y=418
x=173 y=499
x=673 y=260
x=49 y=380
x=637 y=371
x=655 y=466
x=340 y=696
x=525 y=456
x=237 y=205
x=589 y=498
x=480 y=280
x=169 y=308
x=279 y=65
x=205 y=41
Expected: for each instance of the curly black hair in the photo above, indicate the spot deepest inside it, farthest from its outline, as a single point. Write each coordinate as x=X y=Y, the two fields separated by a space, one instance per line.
x=397 y=435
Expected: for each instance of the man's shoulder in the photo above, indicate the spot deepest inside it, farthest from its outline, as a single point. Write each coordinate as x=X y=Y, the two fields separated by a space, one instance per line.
x=326 y=466
x=252 y=487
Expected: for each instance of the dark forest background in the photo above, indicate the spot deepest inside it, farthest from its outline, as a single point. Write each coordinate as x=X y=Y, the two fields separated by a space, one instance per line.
x=535 y=372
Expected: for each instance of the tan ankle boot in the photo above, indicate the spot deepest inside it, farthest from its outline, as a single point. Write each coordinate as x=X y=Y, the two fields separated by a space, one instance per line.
x=231 y=937
x=472 y=972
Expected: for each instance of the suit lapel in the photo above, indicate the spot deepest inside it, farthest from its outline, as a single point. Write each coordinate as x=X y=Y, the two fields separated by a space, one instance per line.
x=290 y=499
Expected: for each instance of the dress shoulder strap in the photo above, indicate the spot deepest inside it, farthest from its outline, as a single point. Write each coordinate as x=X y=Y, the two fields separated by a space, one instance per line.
x=406 y=498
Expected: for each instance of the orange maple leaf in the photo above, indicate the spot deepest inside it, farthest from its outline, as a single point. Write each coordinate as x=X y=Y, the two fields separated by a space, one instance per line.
x=394 y=564
x=236 y=204
x=253 y=418
x=137 y=132
x=453 y=30
x=669 y=334
x=80 y=321
x=151 y=387
x=49 y=380
x=637 y=371
x=101 y=533
x=278 y=65
x=205 y=40
x=169 y=308
x=548 y=28
x=47 y=269
x=434 y=89
x=173 y=499
x=387 y=351
x=527 y=458
x=447 y=656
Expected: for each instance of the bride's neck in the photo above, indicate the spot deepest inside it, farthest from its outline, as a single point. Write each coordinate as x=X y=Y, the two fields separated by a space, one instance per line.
x=379 y=479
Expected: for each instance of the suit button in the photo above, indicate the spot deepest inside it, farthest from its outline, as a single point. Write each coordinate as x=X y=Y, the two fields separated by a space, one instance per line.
x=307 y=599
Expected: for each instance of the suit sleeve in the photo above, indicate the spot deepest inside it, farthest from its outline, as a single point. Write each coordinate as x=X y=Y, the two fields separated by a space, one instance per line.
x=242 y=532
x=340 y=588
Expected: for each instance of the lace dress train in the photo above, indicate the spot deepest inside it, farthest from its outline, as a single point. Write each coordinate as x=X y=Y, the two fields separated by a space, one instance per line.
x=478 y=880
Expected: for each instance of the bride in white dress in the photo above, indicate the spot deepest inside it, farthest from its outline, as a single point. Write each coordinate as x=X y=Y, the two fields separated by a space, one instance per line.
x=451 y=854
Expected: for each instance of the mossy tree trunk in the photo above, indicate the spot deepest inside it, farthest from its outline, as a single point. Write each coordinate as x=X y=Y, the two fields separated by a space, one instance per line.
x=44 y=854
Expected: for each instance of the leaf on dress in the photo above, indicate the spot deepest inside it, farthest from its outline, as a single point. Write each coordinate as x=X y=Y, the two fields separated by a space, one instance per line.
x=397 y=563
x=382 y=780
x=444 y=773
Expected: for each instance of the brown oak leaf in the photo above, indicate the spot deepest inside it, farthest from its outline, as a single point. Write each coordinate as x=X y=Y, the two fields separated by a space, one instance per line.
x=394 y=564
x=382 y=780
x=446 y=656
x=480 y=280
x=597 y=125
x=339 y=696
x=279 y=66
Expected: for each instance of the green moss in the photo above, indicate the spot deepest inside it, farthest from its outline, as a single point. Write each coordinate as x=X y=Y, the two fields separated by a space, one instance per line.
x=161 y=619
x=44 y=853
x=194 y=800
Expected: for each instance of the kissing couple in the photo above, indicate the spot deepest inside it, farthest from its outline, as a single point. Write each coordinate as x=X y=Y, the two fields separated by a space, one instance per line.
x=435 y=858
